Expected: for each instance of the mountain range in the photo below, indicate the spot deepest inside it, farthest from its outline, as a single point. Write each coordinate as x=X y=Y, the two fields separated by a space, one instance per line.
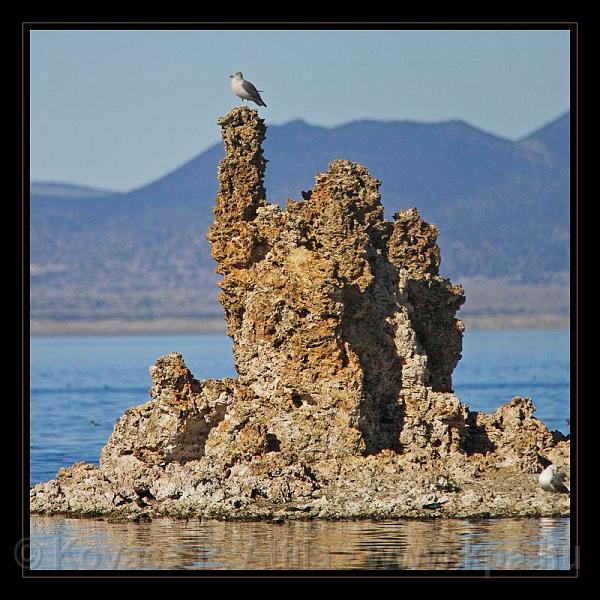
x=502 y=207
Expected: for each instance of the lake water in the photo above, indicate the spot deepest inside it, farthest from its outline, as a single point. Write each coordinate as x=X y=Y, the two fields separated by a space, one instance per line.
x=79 y=387
x=492 y=544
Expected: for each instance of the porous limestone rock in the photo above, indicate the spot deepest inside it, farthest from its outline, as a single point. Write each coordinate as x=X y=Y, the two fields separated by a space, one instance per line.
x=345 y=338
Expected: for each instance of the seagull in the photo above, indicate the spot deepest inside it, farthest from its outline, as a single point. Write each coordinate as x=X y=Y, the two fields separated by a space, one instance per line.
x=244 y=89
x=551 y=480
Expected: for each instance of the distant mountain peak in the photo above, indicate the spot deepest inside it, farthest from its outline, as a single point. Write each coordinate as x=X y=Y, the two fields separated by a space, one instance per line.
x=295 y=122
x=552 y=140
x=561 y=123
x=298 y=124
x=60 y=189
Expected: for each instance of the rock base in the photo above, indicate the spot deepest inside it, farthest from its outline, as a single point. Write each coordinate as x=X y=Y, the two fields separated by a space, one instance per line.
x=150 y=468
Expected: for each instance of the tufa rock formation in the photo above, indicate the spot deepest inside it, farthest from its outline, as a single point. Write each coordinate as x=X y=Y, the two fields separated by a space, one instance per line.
x=345 y=338
x=336 y=315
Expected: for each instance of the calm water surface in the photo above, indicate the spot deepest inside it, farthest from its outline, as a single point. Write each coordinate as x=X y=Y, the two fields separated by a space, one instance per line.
x=59 y=543
x=79 y=387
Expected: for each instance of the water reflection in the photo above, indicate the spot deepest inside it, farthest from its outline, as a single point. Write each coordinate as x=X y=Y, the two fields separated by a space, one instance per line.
x=59 y=543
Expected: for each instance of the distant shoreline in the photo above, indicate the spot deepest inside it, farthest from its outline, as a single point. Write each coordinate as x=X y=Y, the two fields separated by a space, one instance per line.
x=182 y=326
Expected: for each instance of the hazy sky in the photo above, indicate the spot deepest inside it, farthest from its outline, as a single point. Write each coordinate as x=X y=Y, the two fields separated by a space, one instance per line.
x=118 y=109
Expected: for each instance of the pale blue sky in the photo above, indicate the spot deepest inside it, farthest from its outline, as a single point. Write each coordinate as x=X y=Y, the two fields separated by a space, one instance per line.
x=118 y=109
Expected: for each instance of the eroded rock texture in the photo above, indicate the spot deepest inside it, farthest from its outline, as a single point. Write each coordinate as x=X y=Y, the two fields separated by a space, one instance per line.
x=338 y=317
x=345 y=337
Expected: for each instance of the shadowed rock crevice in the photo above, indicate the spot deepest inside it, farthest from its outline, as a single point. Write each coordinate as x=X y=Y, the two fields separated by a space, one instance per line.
x=477 y=440
x=380 y=408
x=345 y=338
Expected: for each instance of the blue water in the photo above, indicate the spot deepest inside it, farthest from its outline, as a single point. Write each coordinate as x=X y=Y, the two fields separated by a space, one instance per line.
x=77 y=380
x=498 y=365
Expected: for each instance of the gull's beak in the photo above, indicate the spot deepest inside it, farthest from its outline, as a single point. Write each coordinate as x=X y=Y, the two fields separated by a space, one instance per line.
x=231 y=77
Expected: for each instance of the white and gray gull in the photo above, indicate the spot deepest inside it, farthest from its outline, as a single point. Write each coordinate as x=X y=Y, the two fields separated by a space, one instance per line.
x=551 y=480
x=244 y=89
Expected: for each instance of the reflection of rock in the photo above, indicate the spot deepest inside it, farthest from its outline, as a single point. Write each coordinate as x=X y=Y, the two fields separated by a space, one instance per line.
x=317 y=544
x=345 y=339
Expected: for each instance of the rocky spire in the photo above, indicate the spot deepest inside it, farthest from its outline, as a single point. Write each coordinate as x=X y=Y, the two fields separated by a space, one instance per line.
x=337 y=316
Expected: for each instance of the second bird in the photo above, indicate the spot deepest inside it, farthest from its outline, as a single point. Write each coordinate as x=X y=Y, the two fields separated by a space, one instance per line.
x=244 y=89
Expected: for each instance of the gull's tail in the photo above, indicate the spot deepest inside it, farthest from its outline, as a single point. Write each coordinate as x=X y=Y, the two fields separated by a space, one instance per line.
x=559 y=485
x=257 y=99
